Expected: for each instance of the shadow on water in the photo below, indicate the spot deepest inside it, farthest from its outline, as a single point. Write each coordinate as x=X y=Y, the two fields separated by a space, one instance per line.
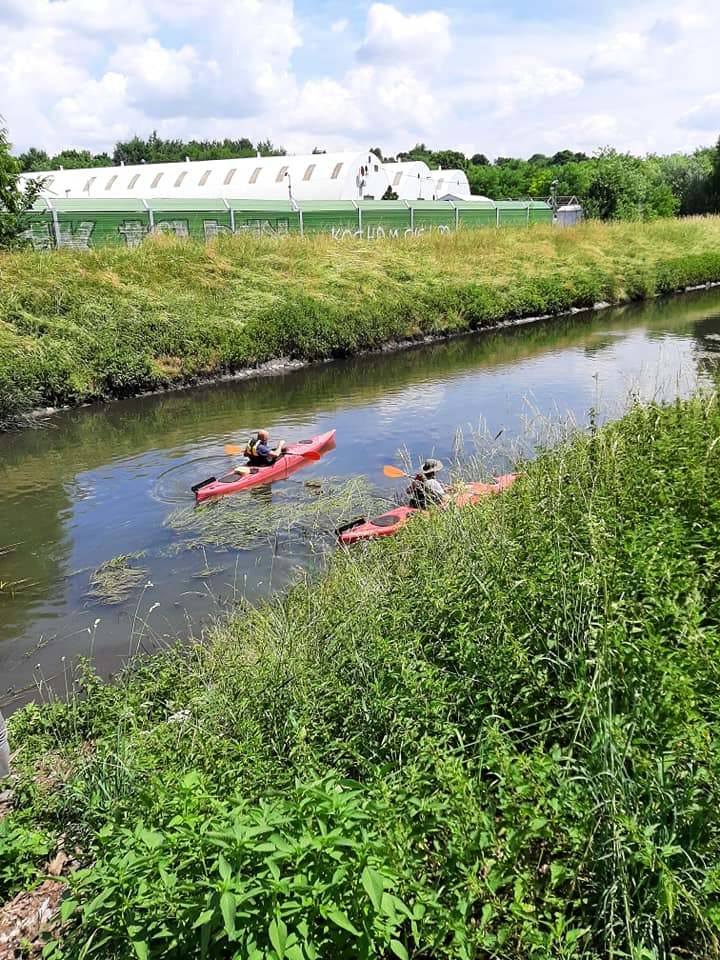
x=88 y=485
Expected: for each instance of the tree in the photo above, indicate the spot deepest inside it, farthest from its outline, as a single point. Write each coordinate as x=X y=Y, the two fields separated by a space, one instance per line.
x=479 y=160
x=715 y=179
x=15 y=199
x=615 y=192
x=33 y=160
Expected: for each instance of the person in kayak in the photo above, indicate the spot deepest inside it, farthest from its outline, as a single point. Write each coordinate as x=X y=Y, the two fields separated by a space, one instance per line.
x=425 y=491
x=258 y=452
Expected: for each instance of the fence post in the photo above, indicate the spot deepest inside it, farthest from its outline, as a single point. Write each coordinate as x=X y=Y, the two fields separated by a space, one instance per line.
x=302 y=227
x=232 y=214
x=151 y=218
x=359 y=213
x=497 y=216
x=527 y=221
x=457 y=219
x=56 y=223
x=412 y=217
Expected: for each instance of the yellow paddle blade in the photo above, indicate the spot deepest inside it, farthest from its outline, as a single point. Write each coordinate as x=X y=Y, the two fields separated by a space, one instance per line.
x=394 y=472
x=233 y=451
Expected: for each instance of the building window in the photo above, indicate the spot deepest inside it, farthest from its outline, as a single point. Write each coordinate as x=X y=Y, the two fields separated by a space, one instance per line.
x=377 y=168
x=309 y=172
x=90 y=182
x=336 y=171
x=398 y=178
x=156 y=180
x=133 y=180
x=229 y=175
x=255 y=174
x=111 y=181
x=204 y=178
x=180 y=178
x=281 y=175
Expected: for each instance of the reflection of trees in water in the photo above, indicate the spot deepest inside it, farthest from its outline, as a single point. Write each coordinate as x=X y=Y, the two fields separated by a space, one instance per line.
x=39 y=561
x=706 y=331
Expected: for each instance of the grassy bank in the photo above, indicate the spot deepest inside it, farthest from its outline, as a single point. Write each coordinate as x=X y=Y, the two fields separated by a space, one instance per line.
x=92 y=325
x=493 y=736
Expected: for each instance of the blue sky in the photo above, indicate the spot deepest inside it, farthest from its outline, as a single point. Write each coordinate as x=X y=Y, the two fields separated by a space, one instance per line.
x=509 y=78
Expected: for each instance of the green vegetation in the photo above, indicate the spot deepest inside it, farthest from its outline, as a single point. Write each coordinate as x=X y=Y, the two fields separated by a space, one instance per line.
x=14 y=200
x=79 y=326
x=115 y=580
x=495 y=735
x=153 y=150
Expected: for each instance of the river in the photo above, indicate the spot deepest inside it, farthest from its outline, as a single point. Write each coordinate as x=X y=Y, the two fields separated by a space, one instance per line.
x=88 y=485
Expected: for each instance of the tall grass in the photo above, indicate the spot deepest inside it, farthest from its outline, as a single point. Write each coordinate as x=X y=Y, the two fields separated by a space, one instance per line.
x=495 y=735
x=78 y=326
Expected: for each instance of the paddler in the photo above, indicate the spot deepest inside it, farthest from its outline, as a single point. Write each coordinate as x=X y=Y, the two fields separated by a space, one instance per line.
x=426 y=491
x=259 y=453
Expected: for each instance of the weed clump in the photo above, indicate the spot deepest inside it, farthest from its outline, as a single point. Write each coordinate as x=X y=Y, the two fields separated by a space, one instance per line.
x=113 y=581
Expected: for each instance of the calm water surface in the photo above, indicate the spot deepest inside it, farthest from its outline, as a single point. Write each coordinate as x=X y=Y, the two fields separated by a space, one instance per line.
x=92 y=484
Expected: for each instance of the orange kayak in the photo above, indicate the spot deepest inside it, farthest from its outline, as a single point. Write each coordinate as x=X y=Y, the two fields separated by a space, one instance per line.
x=389 y=523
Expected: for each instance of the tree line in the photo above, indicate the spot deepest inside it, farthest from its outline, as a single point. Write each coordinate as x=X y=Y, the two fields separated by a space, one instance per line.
x=610 y=184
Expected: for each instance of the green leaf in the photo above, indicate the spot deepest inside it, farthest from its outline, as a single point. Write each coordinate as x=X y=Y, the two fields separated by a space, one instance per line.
x=225 y=868
x=277 y=931
x=399 y=950
x=342 y=920
x=141 y=949
x=67 y=909
x=205 y=917
x=227 y=907
x=151 y=838
x=374 y=886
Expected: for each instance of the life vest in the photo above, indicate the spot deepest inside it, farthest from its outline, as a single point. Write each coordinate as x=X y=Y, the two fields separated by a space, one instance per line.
x=251 y=447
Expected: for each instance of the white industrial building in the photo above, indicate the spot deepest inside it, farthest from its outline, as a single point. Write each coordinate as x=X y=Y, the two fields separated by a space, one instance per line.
x=323 y=176
x=411 y=180
x=451 y=184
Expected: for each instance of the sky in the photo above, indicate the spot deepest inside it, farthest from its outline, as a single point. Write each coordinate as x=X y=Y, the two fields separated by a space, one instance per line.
x=503 y=79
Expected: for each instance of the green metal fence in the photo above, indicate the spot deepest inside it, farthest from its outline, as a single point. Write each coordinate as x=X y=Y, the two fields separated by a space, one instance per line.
x=84 y=224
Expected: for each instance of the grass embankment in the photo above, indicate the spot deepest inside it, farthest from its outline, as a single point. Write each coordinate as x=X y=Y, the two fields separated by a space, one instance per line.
x=78 y=326
x=493 y=736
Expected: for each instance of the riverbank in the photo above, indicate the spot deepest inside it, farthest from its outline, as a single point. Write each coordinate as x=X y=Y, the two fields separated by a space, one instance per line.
x=496 y=734
x=84 y=326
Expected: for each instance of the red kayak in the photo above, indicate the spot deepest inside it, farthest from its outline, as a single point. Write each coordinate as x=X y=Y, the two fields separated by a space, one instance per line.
x=389 y=523
x=293 y=459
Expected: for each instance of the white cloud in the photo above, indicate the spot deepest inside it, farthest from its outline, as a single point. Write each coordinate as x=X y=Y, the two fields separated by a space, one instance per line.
x=393 y=37
x=705 y=115
x=87 y=72
x=531 y=83
x=619 y=56
x=152 y=71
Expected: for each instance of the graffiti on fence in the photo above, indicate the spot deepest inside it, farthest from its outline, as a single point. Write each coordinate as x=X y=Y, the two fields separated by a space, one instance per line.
x=83 y=234
x=390 y=233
